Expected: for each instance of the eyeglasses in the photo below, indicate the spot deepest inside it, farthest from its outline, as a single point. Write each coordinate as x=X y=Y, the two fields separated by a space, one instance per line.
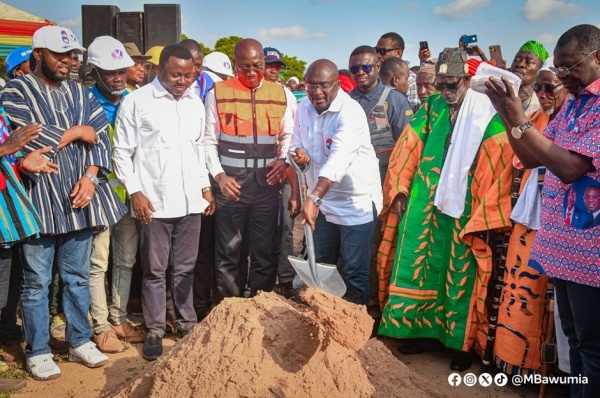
x=450 y=86
x=546 y=88
x=563 y=71
x=323 y=86
x=354 y=69
x=383 y=51
x=245 y=70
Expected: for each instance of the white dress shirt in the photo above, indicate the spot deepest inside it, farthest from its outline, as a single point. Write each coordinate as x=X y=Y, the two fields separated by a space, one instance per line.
x=159 y=149
x=339 y=145
x=213 y=131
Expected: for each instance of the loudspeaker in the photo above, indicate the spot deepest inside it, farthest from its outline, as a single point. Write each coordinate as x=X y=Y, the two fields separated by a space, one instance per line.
x=163 y=24
x=97 y=21
x=130 y=28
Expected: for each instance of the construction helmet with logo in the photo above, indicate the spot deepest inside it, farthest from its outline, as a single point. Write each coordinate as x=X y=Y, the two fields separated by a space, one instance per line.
x=108 y=53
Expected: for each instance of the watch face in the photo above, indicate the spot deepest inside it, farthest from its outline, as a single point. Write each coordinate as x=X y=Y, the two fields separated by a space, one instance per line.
x=516 y=132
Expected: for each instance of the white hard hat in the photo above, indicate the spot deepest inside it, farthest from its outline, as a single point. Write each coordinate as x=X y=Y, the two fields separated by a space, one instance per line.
x=108 y=53
x=57 y=39
x=218 y=62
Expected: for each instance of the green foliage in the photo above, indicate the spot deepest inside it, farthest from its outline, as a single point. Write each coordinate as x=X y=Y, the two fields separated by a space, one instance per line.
x=184 y=37
x=295 y=67
x=226 y=45
x=3 y=69
x=205 y=49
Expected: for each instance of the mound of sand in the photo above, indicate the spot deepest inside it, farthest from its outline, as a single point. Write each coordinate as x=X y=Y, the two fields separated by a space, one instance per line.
x=271 y=347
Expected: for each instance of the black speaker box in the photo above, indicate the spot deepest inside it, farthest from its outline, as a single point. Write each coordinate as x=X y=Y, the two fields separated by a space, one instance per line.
x=97 y=21
x=163 y=24
x=130 y=28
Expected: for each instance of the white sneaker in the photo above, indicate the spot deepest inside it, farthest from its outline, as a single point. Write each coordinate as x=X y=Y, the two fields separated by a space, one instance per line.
x=42 y=367
x=88 y=354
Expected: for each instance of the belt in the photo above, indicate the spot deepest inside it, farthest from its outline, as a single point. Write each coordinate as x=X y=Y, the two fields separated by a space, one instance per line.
x=384 y=149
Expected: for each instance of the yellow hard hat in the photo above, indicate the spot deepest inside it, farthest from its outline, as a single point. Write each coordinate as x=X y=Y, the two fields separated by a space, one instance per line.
x=154 y=53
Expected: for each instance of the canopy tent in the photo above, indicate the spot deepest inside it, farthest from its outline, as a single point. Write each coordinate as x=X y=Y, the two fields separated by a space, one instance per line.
x=17 y=27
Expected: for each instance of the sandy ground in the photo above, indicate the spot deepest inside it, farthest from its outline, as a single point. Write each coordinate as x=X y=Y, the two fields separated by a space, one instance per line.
x=78 y=381
x=430 y=368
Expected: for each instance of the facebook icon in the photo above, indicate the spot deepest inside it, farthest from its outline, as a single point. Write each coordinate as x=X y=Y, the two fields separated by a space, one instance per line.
x=454 y=379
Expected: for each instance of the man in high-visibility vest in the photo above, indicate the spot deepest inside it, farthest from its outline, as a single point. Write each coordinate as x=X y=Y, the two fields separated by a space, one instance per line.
x=248 y=130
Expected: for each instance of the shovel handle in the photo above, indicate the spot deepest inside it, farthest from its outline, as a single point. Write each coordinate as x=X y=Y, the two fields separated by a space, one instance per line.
x=301 y=176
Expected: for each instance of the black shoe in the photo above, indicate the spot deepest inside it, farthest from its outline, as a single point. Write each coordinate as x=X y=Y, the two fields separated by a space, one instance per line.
x=152 y=347
x=461 y=361
x=286 y=289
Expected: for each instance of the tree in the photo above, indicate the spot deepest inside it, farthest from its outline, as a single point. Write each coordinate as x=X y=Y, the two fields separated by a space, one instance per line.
x=295 y=67
x=205 y=50
x=226 y=45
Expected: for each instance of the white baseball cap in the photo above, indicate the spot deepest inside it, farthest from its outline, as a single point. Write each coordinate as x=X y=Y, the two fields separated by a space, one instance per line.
x=108 y=53
x=218 y=63
x=57 y=39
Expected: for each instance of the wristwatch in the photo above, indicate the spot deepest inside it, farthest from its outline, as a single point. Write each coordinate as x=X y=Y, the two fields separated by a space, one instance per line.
x=316 y=199
x=206 y=189
x=517 y=132
x=92 y=177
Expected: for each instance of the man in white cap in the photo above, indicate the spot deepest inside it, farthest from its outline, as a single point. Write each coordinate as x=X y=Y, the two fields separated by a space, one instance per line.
x=71 y=204
x=218 y=66
x=110 y=61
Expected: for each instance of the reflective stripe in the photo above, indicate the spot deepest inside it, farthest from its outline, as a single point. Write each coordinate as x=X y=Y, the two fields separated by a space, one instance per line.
x=241 y=139
x=244 y=163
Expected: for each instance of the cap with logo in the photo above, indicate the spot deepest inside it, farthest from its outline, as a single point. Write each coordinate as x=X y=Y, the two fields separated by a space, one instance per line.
x=218 y=62
x=134 y=51
x=452 y=62
x=154 y=54
x=15 y=58
x=108 y=53
x=272 y=55
x=57 y=39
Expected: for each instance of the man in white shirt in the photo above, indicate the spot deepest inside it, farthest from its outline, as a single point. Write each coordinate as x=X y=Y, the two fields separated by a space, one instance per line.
x=343 y=176
x=159 y=157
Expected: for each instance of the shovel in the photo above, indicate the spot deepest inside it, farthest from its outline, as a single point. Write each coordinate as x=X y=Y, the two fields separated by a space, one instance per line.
x=321 y=276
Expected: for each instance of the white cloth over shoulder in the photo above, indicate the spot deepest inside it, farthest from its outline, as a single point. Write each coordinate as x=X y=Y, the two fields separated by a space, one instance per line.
x=529 y=205
x=485 y=71
x=473 y=118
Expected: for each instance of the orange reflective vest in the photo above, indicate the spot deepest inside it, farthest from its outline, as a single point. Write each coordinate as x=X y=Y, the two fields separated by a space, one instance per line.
x=250 y=122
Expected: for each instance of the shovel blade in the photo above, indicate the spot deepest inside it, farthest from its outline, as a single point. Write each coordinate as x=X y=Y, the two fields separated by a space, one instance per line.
x=324 y=276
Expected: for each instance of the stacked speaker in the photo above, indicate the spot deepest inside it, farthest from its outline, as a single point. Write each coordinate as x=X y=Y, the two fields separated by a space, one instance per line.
x=158 y=25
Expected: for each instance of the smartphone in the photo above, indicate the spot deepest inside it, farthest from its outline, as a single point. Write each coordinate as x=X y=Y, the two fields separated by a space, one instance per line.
x=465 y=40
x=423 y=45
x=496 y=56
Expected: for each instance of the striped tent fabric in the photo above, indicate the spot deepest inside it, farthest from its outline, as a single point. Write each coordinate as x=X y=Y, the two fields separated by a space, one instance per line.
x=17 y=28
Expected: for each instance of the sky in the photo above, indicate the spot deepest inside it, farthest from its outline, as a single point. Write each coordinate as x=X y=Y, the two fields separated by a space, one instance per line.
x=314 y=29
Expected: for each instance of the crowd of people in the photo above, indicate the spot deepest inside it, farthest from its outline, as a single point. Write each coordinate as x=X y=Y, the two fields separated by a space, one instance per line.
x=460 y=201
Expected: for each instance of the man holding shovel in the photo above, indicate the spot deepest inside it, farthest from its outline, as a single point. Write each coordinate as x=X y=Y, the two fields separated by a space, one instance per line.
x=331 y=132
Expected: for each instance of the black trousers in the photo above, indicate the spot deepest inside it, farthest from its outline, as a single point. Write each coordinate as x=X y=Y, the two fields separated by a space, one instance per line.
x=258 y=209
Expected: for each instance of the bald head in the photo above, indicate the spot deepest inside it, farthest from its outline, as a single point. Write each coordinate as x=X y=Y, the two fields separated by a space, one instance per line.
x=323 y=66
x=191 y=45
x=249 y=61
x=322 y=84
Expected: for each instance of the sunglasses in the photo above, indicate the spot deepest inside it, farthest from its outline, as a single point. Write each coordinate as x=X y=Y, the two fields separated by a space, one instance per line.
x=246 y=70
x=383 y=51
x=546 y=88
x=450 y=86
x=354 y=69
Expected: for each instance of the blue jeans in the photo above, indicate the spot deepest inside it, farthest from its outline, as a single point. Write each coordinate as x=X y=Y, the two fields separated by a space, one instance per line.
x=72 y=251
x=353 y=244
x=579 y=308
